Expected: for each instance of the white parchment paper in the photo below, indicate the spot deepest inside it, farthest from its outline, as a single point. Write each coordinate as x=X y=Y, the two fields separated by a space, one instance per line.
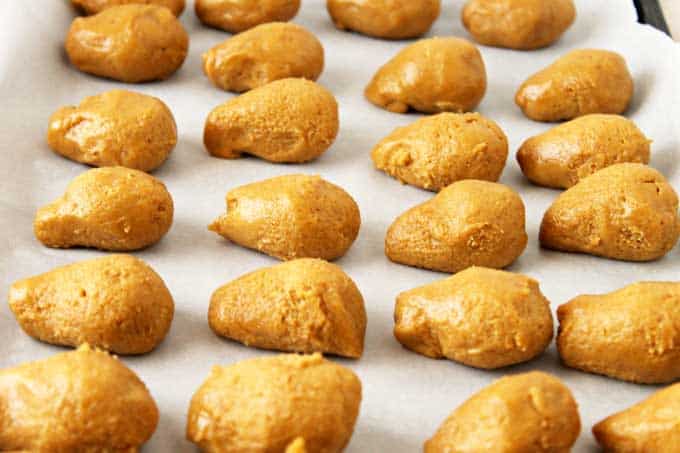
x=406 y=395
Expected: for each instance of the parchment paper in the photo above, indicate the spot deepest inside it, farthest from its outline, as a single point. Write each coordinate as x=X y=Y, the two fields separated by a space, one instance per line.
x=406 y=396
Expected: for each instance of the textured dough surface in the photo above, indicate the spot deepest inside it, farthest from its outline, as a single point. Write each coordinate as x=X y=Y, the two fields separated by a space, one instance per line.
x=129 y=43
x=263 y=405
x=115 y=128
x=304 y=305
x=565 y=154
x=632 y=334
x=289 y=120
x=389 y=19
x=530 y=412
x=291 y=216
x=469 y=223
x=481 y=317
x=80 y=401
x=438 y=150
x=117 y=303
x=581 y=82
x=97 y=6
x=236 y=16
x=625 y=212
x=110 y=208
x=653 y=425
x=518 y=24
x=431 y=75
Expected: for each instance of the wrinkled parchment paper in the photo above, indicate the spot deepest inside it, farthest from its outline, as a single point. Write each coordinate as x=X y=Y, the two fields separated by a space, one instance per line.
x=406 y=395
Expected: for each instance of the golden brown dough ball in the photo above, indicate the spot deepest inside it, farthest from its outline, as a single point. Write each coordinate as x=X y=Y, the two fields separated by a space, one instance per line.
x=578 y=83
x=289 y=120
x=625 y=212
x=565 y=154
x=78 y=401
x=431 y=75
x=262 y=55
x=115 y=128
x=273 y=403
x=627 y=334
x=469 y=223
x=111 y=208
x=530 y=412
x=117 y=303
x=436 y=151
x=390 y=19
x=291 y=216
x=130 y=43
x=518 y=24
x=236 y=16
x=304 y=305
x=97 y=6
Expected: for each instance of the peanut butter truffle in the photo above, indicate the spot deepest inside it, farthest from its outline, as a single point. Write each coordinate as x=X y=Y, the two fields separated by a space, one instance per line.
x=436 y=151
x=469 y=223
x=263 y=54
x=431 y=75
x=236 y=16
x=115 y=128
x=292 y=216
x=578 y=83
x=518 y=24
x=129 y=43
x=390 y=19
x=289 y=120
x=97 y=6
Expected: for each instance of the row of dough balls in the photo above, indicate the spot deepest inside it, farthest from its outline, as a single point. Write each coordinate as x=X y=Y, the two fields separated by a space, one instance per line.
x=118 y=303
x=297 y=404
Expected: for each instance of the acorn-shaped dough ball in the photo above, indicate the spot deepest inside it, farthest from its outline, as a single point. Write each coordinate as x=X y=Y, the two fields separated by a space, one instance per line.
x=390 y=19
x=97 y=6
x=518 y=24
x=236 y=16
x=291 y=216
x=289 y=120
x=469 y=223
x=262 y=55
x=431 y=75
x=111 y=208
x=117 y=303
x=129 y=43
x=436 y=151
x=578 y=83
x=115 y=128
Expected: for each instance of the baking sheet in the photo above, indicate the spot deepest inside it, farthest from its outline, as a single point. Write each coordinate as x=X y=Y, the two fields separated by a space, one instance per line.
x=406 y=396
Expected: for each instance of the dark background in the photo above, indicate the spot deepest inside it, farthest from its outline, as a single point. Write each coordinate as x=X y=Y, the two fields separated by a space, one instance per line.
x=649 y=12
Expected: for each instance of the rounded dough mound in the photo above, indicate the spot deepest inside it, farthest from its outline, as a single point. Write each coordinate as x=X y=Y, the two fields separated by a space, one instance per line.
x=236 y=16
x=97 y=6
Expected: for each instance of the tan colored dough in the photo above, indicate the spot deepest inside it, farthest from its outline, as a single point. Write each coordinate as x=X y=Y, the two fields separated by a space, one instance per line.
x=78 y=401
x=469 y=223
x=578 y=83
x=262 y=55
x=304 y=305
x=129 y=43
x=431 y=75
x=263 y=405
x=97 y=6
x=530 y=412
x=117 y=127
x=565 y=154
x=518 y=24
x=111 y=208
x=652 y=425
x=117 y=303
x=625 y=212
x=289 y=120
x=629 y=334
x=480 y=317
x=291 y=216
x=436 y=151
x=236 y=16
x=390 y=19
